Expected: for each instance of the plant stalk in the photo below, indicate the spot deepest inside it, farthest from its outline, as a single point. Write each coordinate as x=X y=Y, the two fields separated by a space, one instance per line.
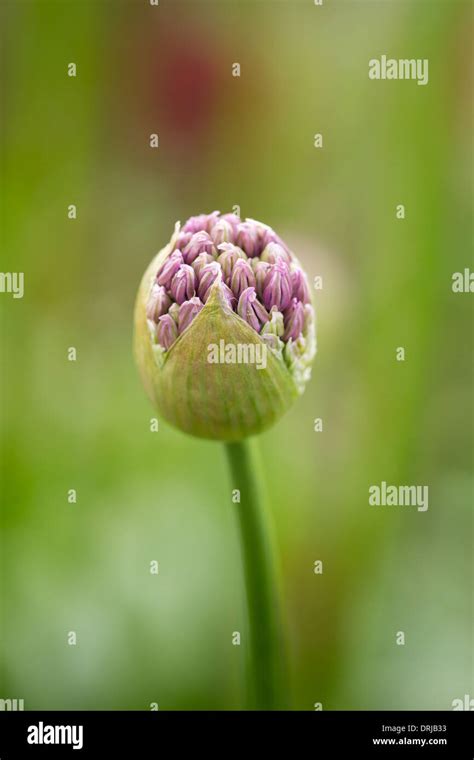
x=266 y=662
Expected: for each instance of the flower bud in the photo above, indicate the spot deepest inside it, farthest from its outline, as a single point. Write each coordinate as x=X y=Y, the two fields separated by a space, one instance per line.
x=274 y=251
x=187 y=311
x=277 y=286
x=247 y=238
x=166 y=331
x=270 y=236
x=201 y=261
x=228 y=296
x=250 y=309
x=222 y=232
x=190 y=306
x=242 y=277
x=227 y=259
x=201 y=222
x=233 y=220
x=169 y=268
x=200 y=242
x=300 y=286
x=209 y=273
x=158 y=303
x=182 y=240
x=183 y=284
x=294 y=317
x=260 y=269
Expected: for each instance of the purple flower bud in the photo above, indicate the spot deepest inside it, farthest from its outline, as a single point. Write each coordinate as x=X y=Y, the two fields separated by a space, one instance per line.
x=300 y=286
x=260 y=269
x=182 y=240
x=240 y=292
x=201 y=222
x=187 y=311
x=169 y=269
x=229 y=296
x=227 y=259
x=233 y=220
x=167 y=331
x=248 y=239
x=273 y=252
x=294 y=318
x=265 y=235
x=195 y=223
x=270 y=236
x=277 y=286
x=200 y=262
x=158 y=302
x=242 y=277
x=200 y=242
x=183 y=284
x=250 y=309
x=222 y=232
x=209 y=274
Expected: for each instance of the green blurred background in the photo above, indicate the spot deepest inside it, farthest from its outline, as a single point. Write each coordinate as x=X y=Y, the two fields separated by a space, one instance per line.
x=162 y=496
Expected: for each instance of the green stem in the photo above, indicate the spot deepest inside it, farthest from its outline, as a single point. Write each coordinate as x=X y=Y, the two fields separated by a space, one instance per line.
x=266 y=659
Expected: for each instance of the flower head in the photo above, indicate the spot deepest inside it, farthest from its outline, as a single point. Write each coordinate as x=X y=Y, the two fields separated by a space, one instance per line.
x=223 y=279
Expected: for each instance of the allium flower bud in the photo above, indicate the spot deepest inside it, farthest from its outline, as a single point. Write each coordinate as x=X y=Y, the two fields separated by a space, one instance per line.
x=169 y=268
x=294 y=320
x=250 y=309
x=222 y=232
x=190 y=302
x=200 y=262
x=201 y=222
x=209 y=274
x=242 y=277
x=274 y=251
x=167 y=331
x=300 y=286
x=247 y=238
x=158 y=303
x=182 y=240
x=228 y=257
x=187 y=311
x=233 y=220
x=183 y=284
x=277 y=286
x=270 y=236
x=201 y=242
x=260 y=269
x=228 y=296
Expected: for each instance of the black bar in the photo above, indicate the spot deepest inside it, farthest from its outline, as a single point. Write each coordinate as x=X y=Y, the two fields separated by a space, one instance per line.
x=301 y=734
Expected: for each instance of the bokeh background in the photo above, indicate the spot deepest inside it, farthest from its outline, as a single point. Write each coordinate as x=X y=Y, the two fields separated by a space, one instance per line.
x=145 y=496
